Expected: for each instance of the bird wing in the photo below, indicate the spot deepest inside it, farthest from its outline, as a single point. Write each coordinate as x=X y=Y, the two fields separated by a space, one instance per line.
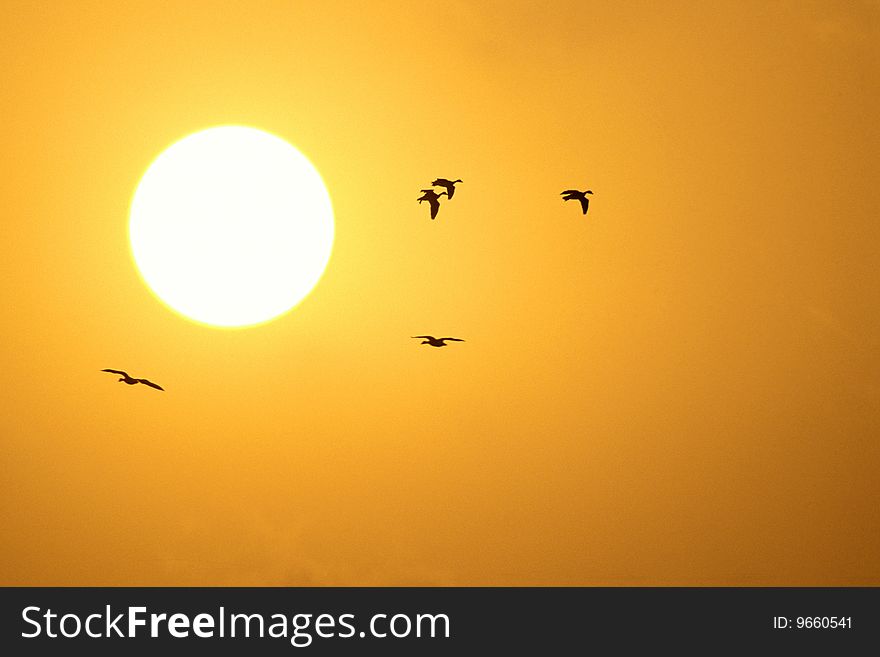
x=151 y=384
x=427 y=337
x=450 y=190
x=435 y=206
x=452 y=339
x=116 y=372
x=585 y=203
x=440 y=182
x=571 y=191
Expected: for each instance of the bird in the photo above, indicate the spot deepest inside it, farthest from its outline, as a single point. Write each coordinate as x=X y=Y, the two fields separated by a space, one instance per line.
x=130 y=380
x=571 y=194
x=433 y=198
x=448 y=184
x=437 y=342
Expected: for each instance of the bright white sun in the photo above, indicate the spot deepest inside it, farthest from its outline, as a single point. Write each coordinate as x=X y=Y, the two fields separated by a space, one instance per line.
x=231 y=226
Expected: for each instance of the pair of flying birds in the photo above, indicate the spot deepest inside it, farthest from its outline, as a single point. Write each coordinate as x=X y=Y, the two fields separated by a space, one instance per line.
x=433 y=198
x=130 y=380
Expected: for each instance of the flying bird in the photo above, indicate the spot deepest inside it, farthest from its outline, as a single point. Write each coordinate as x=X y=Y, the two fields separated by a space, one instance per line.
x=571 y=194
x=131 y=380
x=436 y=342
x=433 y=198
x=448 y=184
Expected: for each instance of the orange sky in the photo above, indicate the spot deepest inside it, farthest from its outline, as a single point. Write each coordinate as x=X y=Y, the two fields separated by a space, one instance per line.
x=681 y=388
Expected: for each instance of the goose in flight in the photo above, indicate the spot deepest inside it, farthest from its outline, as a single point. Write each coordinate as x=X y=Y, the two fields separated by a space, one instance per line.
x=131 y=380
x=449 y=185
x=433 y=198
x=571 y=194
x=436 y=342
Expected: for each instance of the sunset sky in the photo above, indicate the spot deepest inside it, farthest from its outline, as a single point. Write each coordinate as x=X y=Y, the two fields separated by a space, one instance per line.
x=681 y=388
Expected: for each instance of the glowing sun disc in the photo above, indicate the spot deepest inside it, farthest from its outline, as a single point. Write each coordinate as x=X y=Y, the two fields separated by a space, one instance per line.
x=231 y=226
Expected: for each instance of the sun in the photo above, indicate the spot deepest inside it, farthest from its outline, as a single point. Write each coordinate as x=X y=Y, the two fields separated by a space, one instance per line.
x=231 y=226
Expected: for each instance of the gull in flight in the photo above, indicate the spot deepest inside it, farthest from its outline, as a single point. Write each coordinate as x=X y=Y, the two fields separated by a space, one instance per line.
x=131 y=380
x=572 y=194
x=448 y=184
x=433 y=198
x=436 y=342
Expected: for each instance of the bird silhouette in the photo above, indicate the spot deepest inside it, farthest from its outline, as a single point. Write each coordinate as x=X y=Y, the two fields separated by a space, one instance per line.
x=437 y=342
x=130 y=380
x=449 y=185
x=433 y=198
x=571 y=194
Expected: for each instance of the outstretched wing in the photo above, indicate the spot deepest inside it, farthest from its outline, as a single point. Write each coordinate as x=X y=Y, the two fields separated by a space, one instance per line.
x=585 y=203
x=570 y=191
x=116 y=372
x=151 y=384
x=435 y=207
x=451 y=339
x=440 y=182
x=450 y=189
x=427 y=337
